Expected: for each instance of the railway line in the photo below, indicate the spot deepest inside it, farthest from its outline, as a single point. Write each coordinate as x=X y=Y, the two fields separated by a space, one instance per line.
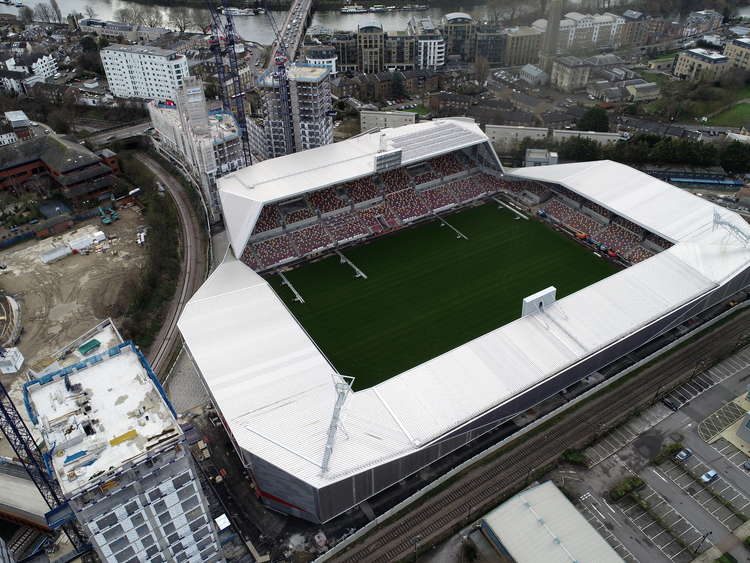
x=481 y=488
x=191 y=276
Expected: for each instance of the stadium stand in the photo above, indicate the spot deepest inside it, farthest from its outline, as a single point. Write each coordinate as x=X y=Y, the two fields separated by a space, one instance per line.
x=311 y=238
x=249 y=257
x=638 y=254
x=583 y=223
x=533 y=187
x=299 y=215
x=657 y=240
x=442 y=196
x=557 y=209
x=406 y=204
x=370 y=217
x=273 y=250
x=597 y=209
x=362 y=189
x=326 y=200
x=617 y=238
x=269 y=219
x=395 y=180
x=424 y=177
x=446 y=165
x=345 y=226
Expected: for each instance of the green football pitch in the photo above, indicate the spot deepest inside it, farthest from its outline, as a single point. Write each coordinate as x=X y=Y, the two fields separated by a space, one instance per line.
x=428 y=292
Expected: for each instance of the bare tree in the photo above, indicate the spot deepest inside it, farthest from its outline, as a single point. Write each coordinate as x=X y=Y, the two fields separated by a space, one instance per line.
x=43 y=13
x=179 y=17
x=481 y=69
x=90 y=12
x=152 y=16
x=25 y=15
x=201 y=18
x=56 y=11
x=73 y=18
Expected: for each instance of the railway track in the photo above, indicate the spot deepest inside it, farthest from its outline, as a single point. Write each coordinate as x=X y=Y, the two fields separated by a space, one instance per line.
x=482 y=488
x=161 y=351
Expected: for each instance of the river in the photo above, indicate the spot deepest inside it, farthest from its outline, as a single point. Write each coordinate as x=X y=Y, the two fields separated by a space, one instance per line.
x=256 y=28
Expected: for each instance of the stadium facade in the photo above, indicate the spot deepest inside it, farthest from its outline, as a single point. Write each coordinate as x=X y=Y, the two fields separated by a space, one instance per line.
x=317 y=449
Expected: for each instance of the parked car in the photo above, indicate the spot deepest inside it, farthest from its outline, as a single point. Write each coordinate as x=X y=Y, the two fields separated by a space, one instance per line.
x=709 y=476
x=746 y=465
x=683 y=454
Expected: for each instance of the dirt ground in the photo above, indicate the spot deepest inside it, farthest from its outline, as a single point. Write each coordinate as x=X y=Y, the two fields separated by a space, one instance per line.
x=62 y=300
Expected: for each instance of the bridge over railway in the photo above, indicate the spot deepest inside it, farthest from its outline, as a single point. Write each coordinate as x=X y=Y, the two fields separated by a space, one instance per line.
x=293 y=28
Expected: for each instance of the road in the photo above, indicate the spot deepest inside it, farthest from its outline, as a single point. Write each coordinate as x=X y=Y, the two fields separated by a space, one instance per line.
x=193 y=268
x=119 y=134
x=480 y=488
x=293 y=28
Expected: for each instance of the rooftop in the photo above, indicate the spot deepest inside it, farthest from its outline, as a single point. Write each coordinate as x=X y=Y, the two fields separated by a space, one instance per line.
x=16 y=116
x=221 y=123
x=540 y=524
x=141 y=50
x=707 y=54
x=298 y=72
x=57 y=152
x=455 y=16
x=99 y=414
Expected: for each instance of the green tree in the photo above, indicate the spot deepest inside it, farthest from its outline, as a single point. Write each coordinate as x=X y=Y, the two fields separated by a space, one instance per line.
x=580 y=149
x=595 y=119
x=88 y=44
x=398 y=89
x=735 y=158
x=102 y=42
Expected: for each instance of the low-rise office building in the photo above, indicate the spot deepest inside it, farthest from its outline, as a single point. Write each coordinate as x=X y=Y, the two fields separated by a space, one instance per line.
x=382 y=119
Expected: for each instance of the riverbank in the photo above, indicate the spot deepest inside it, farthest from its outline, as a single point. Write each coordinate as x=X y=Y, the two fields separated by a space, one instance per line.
x=317 y=4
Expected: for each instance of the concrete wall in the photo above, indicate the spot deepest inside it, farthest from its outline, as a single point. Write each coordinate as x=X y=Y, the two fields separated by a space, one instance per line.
x=382 y=119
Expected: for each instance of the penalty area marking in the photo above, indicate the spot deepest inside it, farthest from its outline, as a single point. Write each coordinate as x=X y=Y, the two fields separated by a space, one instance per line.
x=521 y=215
x=286 y=282
x=357 y=272
x=459 y=234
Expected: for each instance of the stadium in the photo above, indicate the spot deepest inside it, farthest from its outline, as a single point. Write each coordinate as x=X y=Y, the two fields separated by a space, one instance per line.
x=372 y=316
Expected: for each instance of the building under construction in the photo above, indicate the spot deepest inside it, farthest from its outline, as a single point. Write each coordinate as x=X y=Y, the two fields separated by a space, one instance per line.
x=301 y=121
x=114 y=446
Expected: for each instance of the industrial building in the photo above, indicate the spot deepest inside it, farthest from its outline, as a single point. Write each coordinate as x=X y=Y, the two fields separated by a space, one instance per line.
x=540 y=524
x=282 y=401
x=302 y=121
x=114 y=445
x=138 y=71
x=204 y=145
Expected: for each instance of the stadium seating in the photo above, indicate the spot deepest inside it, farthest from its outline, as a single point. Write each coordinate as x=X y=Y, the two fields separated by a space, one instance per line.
x=370 y=216
x=446 y=165
x=425 y=177
x=618 y=239
x=656 y=239
x=249 y=258
x=311 y=238
x=362 y=189
x=406 y=204
x=326 y=200
x=439 y=197
x=557 y=209
x=345 y=226
x=638 y=254
x=270 y=218
x=583 y=223
x=395 y=180
x=299 y=215
x=568 y=194
x=597 y=209
x=274 y=250
x=532 y=187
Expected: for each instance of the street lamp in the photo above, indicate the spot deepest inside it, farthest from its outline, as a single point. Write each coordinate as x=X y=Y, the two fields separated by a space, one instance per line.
x=697 y=549
x=415 y=540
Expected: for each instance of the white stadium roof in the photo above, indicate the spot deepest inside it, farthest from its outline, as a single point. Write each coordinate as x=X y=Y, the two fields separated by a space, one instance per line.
x=262 y=368
x=245 y=192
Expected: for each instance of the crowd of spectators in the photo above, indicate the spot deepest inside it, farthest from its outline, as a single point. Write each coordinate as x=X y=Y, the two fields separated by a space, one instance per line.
x=406 y=204
x=618 y=239
x=273 y=250
x=269 y=219
x=442 y=196
x=362 y=189
x=345 y=226
x=326 y=200
x=311 y=238
x=557 y=209
x=395 y=180
x=446 y=164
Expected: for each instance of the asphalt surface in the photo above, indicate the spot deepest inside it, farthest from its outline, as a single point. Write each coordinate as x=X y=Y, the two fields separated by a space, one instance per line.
x=119 y=134
x=193 y=268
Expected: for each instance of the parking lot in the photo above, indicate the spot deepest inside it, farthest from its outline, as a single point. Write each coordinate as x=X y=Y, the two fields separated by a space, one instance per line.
x=623 y=435
x=731 y=452
x=591 y=513
x=680 y=475
x=702 y=381
x=682 y=543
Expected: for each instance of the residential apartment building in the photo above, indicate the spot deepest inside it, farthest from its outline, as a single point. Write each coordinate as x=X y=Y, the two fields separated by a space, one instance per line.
x=522 y=46
x=700 y=64
x=702 y=21
x=37 y=67
x=490 y=43
x=569 y=74
x=347 y=52
x=322 y=55
x=634 y=29
x=383 y=119
x=120 y=457
x=371 y=48
x=585 y=32
x=137 y=71
x=399 y=50
x=204 y=145
x=738 y=53
x=459 y=31
x=430 y=53
x=116 y=30
x=308 y=109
